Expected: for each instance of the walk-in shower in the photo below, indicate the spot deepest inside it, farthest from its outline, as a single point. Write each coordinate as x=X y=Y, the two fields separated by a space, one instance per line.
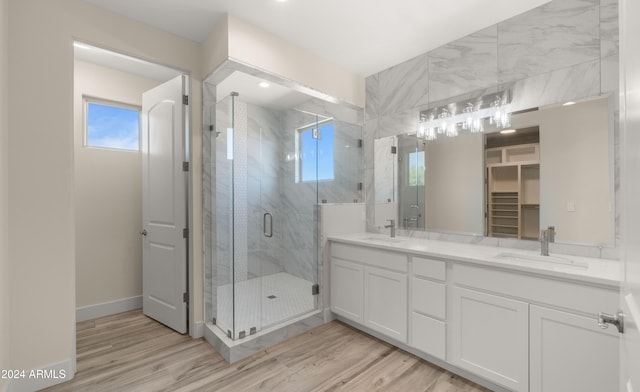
x=272 y=155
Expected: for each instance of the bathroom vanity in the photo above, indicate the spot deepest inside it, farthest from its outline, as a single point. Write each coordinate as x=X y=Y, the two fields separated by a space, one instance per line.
x=508 y=319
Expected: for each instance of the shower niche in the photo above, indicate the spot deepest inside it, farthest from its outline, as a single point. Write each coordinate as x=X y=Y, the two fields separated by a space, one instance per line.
x=272 y=153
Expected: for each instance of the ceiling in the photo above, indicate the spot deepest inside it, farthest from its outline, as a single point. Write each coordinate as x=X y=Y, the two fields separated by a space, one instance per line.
x=362 y=36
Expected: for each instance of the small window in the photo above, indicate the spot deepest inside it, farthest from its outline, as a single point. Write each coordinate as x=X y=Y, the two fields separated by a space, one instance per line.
x=112 y=125
x=316 y=153
x=416 y=168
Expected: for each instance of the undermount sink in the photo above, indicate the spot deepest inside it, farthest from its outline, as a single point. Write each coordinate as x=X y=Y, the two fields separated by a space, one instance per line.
x=383 y=239
x=544 y=259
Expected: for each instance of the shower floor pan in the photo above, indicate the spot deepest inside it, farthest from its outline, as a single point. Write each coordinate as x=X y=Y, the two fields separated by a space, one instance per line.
x=280 y=306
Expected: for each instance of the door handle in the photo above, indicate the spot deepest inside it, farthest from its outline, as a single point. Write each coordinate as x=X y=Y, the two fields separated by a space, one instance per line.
x=604 y=319
x=267 y=233
x=144 y=232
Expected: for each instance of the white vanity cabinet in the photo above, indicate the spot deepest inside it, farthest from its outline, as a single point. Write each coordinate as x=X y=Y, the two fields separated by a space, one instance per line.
x=347 y=289
x=489 y=337
x=428 y=306
x=385 y=302
x=369 y=286
x=570 y=352
x=530 y=333
x=519 y=330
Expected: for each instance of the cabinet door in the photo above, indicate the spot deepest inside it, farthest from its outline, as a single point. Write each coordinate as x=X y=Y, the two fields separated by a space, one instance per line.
x=347 y=292
x=385 y=305
x=490 y=337
x=572 y=353
x=429 y=335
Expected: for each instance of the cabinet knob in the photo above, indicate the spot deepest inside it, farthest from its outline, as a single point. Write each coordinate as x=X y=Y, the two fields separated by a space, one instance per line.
x=604 y=319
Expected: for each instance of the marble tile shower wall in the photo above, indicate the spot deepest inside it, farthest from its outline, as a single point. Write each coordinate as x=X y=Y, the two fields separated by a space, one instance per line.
x=264 y=154
x=563 y=50
x=300 y=199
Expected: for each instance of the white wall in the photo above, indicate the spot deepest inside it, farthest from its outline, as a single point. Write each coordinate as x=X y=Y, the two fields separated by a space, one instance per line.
x=453 y=174
x=253 y=46
x=41 y=156
x=4 y=187
x=575 y=168
x=108 y=188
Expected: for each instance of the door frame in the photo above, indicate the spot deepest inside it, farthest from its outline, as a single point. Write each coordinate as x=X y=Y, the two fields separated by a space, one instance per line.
x=194 y=329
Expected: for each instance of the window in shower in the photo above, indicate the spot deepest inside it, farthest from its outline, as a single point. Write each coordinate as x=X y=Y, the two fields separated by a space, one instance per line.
x=316 y=152
x=111 y=125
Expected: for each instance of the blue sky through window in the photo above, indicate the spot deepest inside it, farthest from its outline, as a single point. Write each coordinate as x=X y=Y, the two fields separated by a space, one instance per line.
x=317 y=159
x=416 y=168
x=113 y=127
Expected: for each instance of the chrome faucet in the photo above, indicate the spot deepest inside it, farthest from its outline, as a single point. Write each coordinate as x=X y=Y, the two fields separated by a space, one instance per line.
x=392 y=225
x=546 y=236
x=552 y=233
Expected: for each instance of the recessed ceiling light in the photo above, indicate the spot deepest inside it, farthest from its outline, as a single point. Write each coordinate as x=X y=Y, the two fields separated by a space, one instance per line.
x=263 y=84
x=507 y=131
x=568 y=103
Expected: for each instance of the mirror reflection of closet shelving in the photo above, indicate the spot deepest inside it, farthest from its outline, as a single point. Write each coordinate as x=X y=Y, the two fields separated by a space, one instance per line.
x=513 y=185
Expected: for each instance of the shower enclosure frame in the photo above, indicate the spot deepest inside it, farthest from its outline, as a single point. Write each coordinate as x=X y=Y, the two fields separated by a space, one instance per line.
x=235 y=349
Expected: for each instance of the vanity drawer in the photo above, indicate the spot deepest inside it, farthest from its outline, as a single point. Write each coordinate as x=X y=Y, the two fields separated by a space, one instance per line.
x=370 y=256
x=581 y=297
x=428 y=335
x=429 y=297
x=434 y=269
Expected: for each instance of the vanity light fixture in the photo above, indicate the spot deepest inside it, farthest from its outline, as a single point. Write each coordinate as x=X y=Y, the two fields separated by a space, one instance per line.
x=445 y=121
x=507 y=131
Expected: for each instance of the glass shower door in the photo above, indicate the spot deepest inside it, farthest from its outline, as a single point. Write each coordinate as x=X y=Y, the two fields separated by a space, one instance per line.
x=223 y=263
x=265 y=173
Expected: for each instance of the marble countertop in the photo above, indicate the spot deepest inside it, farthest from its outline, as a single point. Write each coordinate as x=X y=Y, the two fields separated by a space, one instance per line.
x=592 y=270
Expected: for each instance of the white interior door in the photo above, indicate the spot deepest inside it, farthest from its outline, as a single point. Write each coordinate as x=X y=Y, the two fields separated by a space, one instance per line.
x=164 y=210
x=630 y=257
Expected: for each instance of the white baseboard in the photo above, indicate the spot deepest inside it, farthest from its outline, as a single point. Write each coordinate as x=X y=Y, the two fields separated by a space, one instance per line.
x=108 y=308
x=44 y=377
x=197 y=330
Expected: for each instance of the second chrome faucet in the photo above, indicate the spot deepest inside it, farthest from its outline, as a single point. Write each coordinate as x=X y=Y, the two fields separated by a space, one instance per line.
x=392 y=225
x=547 y=235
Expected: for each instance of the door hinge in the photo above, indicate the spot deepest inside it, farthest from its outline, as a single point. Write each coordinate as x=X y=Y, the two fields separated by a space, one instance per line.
x=185 y=233
x=394 y=149
x=315 y=289
x=185 y=297
x=185 y=166
x=185 y=99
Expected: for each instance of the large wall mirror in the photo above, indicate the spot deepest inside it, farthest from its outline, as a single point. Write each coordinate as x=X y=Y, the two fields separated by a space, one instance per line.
x=554 y=168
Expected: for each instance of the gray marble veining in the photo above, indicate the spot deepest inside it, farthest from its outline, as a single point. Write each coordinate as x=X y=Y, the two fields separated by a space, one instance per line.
x=561 y=85
x=609 y=28
x=372 y=99
x=469 y=63
x=404 y=86
x=558 y=34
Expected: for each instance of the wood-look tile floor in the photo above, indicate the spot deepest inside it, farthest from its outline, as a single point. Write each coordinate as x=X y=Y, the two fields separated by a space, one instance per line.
x=130 y=352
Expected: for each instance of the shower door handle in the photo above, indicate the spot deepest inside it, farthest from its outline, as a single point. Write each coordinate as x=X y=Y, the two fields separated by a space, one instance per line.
x=268 y=230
